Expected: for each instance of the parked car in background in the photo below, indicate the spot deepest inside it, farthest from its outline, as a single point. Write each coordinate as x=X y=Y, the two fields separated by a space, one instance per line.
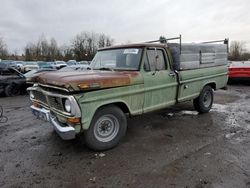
x=13 y=64
x=5 y=65
x=72 y=62
x=16 y=83
x=75 y=68
x=44 y=65
x=3 y=68
x=58 y=64
x=20 y=65
x=12 y=84
x=239 y=70
x=29 y=65
x=84 y=62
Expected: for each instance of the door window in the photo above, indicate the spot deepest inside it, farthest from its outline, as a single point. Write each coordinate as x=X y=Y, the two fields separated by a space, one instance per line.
x=155 y=60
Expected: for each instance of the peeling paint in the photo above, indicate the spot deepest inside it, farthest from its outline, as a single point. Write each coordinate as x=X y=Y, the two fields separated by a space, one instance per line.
x=89 y=79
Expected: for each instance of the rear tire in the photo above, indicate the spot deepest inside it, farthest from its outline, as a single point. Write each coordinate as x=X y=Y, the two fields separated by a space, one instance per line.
x=204 y=102
x=107 y=128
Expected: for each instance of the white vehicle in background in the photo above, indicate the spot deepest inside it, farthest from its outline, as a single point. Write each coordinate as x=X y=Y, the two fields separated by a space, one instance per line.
x=20 y=65
x=28 y=66
x=72 y=62
x=58 y=64
x=84 y=62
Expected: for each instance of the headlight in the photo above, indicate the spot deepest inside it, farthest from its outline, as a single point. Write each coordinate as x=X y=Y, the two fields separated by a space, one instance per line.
x=67 y=105
x=32 y=95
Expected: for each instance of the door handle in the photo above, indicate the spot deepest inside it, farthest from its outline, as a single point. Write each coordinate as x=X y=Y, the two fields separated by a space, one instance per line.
x=171 y=74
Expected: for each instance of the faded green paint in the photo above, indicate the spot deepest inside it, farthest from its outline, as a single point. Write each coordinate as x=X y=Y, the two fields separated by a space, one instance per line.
x=159 y=87
x=139 y=91
x=192 y=81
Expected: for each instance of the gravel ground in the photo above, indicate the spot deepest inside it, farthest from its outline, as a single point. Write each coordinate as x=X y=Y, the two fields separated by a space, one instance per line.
x=175 y=147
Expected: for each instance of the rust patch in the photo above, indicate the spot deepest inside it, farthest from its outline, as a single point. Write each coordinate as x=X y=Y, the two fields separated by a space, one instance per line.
x=88 y=79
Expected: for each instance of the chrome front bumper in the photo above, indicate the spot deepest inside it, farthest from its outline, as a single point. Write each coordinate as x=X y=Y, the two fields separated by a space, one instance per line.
x=65 y=132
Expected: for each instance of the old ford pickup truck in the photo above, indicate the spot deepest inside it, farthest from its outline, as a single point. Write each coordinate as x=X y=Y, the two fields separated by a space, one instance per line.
x=127 y=80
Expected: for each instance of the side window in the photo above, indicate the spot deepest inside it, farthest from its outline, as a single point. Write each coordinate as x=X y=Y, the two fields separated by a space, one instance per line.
x=161 y=64
x=146 y=64
x=151 y=59
x=155 y=61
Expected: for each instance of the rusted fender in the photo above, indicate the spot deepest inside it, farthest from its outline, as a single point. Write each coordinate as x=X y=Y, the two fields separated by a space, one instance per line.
x=89 y=80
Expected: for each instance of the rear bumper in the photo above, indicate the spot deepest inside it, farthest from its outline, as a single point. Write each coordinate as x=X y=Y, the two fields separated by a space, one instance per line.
x=65 y=132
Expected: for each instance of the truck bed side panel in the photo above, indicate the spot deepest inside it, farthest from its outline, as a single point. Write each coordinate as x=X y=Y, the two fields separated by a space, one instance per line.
x=192 y=81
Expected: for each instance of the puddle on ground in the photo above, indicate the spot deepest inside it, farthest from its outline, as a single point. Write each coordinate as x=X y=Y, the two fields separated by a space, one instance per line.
x=237 y=113
x=181 y=113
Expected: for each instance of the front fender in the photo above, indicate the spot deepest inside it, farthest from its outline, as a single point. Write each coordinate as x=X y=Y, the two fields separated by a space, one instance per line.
x=88 y=110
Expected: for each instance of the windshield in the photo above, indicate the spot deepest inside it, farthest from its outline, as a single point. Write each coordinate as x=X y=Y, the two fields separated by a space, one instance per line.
x=118 y=59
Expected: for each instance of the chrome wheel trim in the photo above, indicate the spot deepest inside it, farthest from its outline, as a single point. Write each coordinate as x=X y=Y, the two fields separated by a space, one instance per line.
x=207 y=99
x=106 y=128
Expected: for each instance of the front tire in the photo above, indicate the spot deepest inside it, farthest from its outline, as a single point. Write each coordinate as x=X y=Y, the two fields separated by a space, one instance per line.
x=204 y=102
x=12 y=90
x=107 y=128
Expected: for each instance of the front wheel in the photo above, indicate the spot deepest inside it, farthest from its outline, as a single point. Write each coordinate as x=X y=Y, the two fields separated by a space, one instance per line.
x=107 y=128
x=204 y=102
x=12 y=90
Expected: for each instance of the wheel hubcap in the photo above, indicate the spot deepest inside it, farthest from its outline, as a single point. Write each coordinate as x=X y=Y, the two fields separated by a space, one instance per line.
x=106 y=128
x=207 y=99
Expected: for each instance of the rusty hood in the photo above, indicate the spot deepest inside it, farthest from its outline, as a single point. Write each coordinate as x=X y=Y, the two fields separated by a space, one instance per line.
x=89 y=80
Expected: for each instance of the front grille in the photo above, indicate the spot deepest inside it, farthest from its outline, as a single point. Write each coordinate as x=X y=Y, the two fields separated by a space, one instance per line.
x=54 y=102
x=40 y=96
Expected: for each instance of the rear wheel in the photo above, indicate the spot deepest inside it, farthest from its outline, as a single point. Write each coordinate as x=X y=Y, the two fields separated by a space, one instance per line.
x=204 y=102
x=107 y=128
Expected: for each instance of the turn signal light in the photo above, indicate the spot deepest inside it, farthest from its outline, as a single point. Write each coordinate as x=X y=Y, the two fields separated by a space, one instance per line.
x=36 y=104
x=73 y=120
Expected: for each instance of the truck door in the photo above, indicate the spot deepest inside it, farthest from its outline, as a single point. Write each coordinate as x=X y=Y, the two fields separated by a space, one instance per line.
x=160 y=82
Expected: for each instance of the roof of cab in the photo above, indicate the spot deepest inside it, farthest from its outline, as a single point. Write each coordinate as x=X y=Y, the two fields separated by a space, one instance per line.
x=136 y=45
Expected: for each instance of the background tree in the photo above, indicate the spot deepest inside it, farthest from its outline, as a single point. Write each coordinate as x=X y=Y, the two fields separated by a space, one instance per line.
x=236 y=50
x=3 y=49
x=54 y=51
x=83 y=47
x=85 y=44
x=42 y=50
x=66 y=52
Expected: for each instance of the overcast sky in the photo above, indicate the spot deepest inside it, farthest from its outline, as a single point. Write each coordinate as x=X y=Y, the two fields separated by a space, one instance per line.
x=23 y=21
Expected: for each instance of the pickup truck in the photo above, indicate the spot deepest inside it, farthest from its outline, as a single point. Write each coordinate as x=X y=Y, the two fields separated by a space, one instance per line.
x=125 y=81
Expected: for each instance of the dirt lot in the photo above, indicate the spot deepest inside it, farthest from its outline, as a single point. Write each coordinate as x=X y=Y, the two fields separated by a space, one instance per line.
x=171 y=148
